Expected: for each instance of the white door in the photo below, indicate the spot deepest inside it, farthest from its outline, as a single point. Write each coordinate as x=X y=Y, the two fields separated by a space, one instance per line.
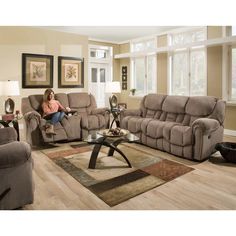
x=98 y=76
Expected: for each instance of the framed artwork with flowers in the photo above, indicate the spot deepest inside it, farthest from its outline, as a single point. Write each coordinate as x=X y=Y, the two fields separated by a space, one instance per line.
x=70 y=72
x=37 y=71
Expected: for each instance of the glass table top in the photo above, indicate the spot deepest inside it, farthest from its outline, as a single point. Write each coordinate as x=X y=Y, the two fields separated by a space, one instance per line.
x=97 y=136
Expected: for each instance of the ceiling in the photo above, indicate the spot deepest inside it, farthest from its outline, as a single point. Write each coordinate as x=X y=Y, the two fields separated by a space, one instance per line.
x=115 y=34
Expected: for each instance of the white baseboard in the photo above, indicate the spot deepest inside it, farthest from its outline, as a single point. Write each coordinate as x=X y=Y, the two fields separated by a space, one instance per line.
x=230 y=132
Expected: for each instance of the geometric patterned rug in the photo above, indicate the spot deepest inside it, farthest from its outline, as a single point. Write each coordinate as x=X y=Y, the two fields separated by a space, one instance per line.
x=112 y=180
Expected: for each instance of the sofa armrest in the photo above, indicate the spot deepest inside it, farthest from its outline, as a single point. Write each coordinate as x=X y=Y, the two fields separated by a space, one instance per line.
x=100 y=111
x=32 y=115
x=14 y=154
x=130 y=112
x=7 y=135
x=206 y=125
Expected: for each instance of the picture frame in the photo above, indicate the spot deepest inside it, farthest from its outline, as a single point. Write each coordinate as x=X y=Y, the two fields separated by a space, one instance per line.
x=122 y=106
x=124 y=86
x=124 y=78
x=70 y=72
x=124 y=70
x=37 y=71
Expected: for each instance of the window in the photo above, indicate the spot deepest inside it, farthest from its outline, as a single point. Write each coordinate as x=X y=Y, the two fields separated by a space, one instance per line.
x=187 y=66
x=232 y=75
x=98 y=53
x=143 y=69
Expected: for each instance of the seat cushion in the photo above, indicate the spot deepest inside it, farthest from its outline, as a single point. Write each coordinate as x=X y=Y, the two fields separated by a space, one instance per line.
x=155 y=129
x=181 y=135
x=91 y=122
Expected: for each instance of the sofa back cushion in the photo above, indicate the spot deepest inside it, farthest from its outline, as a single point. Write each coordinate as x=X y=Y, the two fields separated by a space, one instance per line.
x=36 y=102
x=200 y=105
x=63 y=99
x=151 y=105
x=180 y=109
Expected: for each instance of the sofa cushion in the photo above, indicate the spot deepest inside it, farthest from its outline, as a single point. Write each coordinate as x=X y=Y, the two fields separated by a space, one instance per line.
x=63 y=99
x=181 y=135
x=155 y=129
x=175 y=104
x=36 y=102
x=200 y=105
x=78 y=100
x=154 y=101
x=134 y=124
x=92 y=122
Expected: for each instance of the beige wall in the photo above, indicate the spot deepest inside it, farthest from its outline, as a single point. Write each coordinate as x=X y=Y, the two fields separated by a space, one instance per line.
x=214 y=75
x=17 y=40
x=132 y=102
x=162 y=66
x=214 y=71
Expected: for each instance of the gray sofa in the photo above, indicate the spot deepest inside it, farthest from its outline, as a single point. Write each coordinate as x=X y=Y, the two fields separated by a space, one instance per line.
x=78 y=125
x=16 y=183
x=188 y=127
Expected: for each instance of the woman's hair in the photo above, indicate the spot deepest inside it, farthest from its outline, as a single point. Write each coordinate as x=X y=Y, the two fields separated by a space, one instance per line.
x=46 y=94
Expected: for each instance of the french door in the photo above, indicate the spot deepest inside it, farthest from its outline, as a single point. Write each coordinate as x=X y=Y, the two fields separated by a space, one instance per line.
x=98 y=76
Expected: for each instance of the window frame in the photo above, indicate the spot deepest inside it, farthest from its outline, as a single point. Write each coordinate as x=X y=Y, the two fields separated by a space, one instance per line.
x=146 y=53
x=188 y=50
x=145 y=85
x=229 y=76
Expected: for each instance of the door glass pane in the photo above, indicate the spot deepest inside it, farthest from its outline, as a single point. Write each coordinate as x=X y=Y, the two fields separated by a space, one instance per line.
x=180 y=79
x=94 y=75
x=233 y=91
x=139 y=75
x=151 y=85
x=198 y=73
x=92 y=53
x=102 y=75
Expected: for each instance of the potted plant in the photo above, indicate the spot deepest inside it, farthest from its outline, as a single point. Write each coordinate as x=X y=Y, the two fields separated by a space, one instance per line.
x=133 y=91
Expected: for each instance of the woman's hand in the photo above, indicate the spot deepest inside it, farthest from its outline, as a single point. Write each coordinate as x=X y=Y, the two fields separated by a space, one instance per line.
x=68 y=109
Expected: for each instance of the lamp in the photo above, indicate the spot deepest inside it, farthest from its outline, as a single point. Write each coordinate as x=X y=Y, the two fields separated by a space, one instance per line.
x=113 y=87
x=9 y=88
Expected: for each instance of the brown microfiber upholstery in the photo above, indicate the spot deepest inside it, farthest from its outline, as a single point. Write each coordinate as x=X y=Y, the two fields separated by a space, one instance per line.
x=87 y=119
x=16 y=166
x=184 y=126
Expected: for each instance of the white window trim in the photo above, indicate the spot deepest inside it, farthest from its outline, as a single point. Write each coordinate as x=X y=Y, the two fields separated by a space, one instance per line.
x=132 y=81
x=100 y=60
x=226 y=75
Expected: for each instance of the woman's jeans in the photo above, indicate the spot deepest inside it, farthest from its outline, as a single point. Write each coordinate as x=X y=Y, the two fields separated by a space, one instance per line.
x=56 y=117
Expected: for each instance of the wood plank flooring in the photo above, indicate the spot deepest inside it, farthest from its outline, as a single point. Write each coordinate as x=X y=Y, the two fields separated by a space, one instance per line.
x=212 y=185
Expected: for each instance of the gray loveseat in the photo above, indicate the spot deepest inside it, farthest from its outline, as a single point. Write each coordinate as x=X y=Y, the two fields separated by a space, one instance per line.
x=188 y=127
x=78 y=125
x=16 y=182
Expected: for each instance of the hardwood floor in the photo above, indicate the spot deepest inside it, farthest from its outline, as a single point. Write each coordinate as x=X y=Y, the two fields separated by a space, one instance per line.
x=212 y=185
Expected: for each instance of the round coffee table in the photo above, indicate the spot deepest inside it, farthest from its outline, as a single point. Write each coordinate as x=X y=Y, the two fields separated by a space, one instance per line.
x=99 y=140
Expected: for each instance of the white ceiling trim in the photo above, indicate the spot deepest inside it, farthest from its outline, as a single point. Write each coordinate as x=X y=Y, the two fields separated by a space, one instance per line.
x=103 y=41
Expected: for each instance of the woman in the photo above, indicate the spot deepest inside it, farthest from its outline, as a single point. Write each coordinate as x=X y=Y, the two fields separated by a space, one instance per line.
x=53 y=111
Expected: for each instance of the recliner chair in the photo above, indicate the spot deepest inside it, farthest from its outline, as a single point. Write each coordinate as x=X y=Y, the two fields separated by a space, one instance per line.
x=16 y=182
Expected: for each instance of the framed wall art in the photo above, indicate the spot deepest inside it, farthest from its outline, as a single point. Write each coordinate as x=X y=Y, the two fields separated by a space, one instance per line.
x=37 y=71
x=70 y=72
x=124 y=86
x=124 y=78
x=124 y=69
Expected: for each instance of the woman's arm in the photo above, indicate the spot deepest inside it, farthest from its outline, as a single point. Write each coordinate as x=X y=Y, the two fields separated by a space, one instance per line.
x=67 y=109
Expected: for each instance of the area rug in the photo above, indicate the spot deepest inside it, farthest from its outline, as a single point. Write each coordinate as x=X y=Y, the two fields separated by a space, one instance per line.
x=112 y=180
